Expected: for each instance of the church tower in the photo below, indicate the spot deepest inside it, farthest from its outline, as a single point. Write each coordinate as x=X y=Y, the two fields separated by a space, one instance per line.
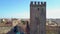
x=37 y=17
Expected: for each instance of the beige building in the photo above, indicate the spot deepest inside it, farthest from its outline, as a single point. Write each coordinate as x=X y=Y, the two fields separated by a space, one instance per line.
x=51 y=27
x=14 y=21
x=5 y=25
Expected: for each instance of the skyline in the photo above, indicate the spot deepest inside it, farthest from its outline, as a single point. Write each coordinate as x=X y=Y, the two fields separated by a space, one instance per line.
x=21 y=8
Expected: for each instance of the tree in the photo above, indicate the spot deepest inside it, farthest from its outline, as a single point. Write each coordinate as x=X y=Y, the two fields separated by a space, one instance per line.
x=15 y=29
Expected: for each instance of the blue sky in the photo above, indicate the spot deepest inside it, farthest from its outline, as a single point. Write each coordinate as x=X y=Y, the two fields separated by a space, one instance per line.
x=21 y=8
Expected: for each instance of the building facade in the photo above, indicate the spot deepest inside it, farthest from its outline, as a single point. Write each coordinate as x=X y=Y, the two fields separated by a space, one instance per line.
x=37 y=17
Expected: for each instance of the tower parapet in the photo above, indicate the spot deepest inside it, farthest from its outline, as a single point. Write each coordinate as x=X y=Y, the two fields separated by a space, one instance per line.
x=37 y=3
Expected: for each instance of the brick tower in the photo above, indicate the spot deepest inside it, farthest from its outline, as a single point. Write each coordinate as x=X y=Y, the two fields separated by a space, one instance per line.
x=37 y=17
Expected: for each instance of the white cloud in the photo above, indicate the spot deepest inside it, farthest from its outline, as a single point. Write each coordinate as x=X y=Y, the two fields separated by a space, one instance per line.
x=20 y=15
x=53 y=13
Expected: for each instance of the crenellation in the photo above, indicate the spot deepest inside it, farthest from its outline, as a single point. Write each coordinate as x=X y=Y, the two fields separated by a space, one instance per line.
x=44 y=3
x=38 y=3
x=31 y=3
x=35 y=2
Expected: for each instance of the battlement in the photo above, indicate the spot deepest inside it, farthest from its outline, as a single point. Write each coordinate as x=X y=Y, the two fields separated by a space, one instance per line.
x=37 y=3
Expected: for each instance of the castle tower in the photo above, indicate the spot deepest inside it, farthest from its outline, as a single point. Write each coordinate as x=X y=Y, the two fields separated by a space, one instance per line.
x=37 y=17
